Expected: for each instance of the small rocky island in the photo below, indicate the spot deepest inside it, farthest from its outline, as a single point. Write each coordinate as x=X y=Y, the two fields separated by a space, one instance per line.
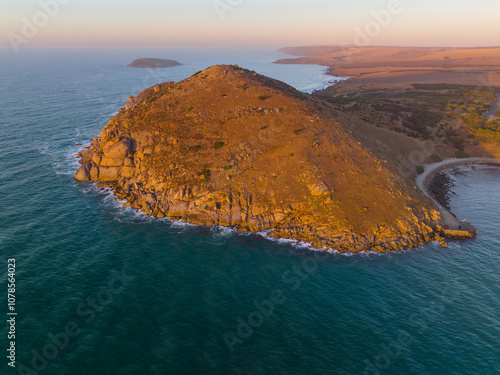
x=154 y=63
x=230 y=147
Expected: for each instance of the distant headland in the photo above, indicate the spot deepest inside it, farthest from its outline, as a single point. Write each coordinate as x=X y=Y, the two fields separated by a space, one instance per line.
x=154 y=63
x=384 y=65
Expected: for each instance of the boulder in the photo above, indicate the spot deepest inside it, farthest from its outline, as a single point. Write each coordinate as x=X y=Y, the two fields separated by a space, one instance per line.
x=119 y=150
x=127 y=172
x=128 y=162
x=94 y=173
x=96 y=159
x=108 y=173
x=146 y=207
x=318 y=188
x=83 y=173
x=178 y=209
x=108 y=162
x=151 y=199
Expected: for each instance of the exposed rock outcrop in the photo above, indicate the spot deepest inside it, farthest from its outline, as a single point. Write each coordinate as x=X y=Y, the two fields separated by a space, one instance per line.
x=233 y=148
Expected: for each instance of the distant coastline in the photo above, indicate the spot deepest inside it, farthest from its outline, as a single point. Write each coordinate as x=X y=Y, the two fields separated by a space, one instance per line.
x=402 y=65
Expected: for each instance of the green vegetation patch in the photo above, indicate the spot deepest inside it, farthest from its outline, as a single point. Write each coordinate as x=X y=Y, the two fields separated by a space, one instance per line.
x=461 y=155
x=218 y=145
x=205 y=174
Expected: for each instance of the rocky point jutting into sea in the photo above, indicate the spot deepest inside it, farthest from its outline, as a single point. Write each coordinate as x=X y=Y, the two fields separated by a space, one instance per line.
x=230 y=147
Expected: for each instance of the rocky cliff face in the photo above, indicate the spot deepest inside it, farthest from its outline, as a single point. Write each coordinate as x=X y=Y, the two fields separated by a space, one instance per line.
x=233 y=148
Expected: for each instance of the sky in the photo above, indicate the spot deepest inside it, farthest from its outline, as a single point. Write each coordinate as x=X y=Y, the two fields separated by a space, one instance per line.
x=252 y=23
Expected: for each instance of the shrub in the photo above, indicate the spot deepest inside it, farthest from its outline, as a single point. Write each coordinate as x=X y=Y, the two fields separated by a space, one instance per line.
x=218 y=145
x=420 y=169
x=436 y=158
x=461 y=155
x=204 y=174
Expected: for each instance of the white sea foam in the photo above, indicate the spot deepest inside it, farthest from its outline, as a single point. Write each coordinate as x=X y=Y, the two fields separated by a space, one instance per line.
x=179 y=223
x=309 y=89
x=297 y=244
x=292 y=242
x=122 y=213
x=454 y=246
x=220 y=232
x=44 y=150
x=65 y=161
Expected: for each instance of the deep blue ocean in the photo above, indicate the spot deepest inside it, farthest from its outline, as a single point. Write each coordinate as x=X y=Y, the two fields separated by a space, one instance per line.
x=102 y=290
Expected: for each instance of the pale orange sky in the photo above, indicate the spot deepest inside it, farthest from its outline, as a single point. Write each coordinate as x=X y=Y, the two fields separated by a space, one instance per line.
x=249 y=22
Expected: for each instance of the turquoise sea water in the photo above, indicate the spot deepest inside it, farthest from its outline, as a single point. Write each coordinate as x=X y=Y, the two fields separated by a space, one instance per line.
x=104 y=290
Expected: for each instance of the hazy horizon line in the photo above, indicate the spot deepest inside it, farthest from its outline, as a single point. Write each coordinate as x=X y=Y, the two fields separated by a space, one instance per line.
x=239 y=46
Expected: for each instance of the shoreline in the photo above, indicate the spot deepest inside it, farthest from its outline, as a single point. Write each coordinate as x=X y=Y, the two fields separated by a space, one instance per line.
x=430 y=180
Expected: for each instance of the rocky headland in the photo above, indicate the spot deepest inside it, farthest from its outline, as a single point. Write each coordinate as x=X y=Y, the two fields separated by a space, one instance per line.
x=230 y=147
x=154 y=63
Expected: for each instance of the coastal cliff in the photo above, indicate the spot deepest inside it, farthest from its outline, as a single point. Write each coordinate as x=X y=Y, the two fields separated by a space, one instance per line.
x=234 y=148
